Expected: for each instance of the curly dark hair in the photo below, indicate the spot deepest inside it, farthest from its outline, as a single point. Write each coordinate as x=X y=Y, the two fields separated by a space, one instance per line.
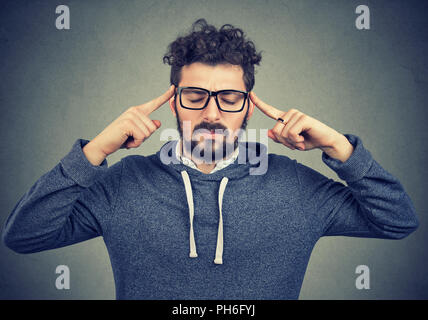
x=211 y=46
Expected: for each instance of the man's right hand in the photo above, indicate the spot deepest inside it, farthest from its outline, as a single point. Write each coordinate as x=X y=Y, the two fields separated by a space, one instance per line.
x=129 y=130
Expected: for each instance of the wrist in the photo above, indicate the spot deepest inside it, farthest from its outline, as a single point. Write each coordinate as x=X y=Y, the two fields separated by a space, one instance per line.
x=94 y=155
x=341 y=149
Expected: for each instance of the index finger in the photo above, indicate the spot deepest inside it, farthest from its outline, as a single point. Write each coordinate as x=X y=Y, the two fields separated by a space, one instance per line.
x=154 y=104
x=270 y=111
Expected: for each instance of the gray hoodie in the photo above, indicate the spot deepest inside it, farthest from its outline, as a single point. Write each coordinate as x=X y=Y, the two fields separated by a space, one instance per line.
x=243 y=232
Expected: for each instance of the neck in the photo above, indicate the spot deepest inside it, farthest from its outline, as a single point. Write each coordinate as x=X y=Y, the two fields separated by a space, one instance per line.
x=206 y=167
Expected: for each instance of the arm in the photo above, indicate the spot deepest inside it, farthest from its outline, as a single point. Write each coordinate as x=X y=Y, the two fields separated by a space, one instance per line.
x=74 y=201
x=69 y=204
x=374 y=204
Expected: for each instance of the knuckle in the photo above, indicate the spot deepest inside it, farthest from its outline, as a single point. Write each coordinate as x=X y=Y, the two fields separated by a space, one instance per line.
x=293 y=131
x=281 y=138
x=127 y=122
x=277 y=131
x=149 y=133
x=134 y=111
x=294 y=136
x=145 y=118
x=145 y=130
x=290 y=143
x=152 y=127
x=140 y=135
x=131 y=109
x=149 y=129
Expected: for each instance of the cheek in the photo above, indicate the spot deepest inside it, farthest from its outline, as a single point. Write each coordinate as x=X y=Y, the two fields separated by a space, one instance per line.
x=234 y=126
x=235 y=122
x=188 y=119
x=187 y=116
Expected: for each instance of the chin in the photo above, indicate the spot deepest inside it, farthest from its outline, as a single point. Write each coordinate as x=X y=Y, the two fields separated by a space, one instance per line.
x=210 y=149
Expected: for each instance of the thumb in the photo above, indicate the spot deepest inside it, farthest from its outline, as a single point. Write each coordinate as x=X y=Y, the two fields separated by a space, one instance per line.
x=157 y=123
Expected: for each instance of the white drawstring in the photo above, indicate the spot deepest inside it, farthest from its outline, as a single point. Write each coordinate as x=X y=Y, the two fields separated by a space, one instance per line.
x=219 y=249
x=188 y=187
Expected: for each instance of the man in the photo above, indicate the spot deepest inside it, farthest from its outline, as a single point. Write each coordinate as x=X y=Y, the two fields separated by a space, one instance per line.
x=201 y=219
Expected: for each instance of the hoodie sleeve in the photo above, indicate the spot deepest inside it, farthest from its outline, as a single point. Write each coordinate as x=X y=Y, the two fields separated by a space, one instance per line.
x=68 y=204
x=372 y=205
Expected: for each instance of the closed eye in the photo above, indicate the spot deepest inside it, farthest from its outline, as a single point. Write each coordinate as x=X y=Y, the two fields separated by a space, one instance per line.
x=227 y=101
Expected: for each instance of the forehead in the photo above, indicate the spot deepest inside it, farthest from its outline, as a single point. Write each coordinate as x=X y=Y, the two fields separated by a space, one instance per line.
x=218 y=77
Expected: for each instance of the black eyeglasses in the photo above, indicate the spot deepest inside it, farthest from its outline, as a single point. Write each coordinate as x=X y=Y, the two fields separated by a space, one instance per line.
x=195 y=98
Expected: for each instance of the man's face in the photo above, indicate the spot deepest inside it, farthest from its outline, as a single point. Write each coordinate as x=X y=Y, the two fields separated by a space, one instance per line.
x=194 y=125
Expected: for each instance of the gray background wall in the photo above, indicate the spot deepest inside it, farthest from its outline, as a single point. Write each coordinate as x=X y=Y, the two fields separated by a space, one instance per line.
x=58 y=86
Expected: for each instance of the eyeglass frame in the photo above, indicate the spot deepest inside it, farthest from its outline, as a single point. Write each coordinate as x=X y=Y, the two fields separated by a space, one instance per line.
x=214 y=94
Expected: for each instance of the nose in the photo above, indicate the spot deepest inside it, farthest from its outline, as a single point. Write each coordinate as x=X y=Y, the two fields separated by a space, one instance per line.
x=211 y=113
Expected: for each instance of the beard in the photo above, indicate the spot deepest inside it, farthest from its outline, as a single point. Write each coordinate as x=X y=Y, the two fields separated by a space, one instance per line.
x=204 y=148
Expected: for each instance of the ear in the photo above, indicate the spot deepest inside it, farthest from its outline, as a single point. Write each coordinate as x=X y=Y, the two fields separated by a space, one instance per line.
x=251 y=109
x=172 y=102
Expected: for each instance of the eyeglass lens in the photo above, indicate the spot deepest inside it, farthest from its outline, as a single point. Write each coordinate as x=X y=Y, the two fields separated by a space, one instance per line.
x=196 y=99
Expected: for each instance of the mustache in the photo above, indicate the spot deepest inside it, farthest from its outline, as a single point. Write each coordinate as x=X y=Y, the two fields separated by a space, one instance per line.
x=210 y=126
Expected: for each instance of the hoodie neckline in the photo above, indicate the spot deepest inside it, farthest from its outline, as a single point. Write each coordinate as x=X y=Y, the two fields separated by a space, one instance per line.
x=235 y=170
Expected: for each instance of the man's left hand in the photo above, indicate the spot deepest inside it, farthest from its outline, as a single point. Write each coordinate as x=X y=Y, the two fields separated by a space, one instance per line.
x=302 y=132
